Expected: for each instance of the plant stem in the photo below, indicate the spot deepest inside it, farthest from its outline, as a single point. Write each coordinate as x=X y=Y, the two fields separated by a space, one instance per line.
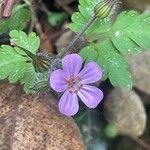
x=27 y=2
x=9 y=4
x=67 y=49
x=141 y=143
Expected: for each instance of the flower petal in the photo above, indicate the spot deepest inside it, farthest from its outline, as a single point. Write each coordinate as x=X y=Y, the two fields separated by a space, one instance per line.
x=72 y=64
x=68 y=104
x=91 y=73
x=58 y=80
x=90 y=95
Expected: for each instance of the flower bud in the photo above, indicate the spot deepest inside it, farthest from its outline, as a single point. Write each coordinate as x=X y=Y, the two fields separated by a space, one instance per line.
x=41 y=63
x=104 y=8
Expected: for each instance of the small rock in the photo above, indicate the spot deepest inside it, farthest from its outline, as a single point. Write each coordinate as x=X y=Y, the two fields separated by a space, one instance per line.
x=140 y=68
x=126 y=112
x=64 y=40
x=67 y=39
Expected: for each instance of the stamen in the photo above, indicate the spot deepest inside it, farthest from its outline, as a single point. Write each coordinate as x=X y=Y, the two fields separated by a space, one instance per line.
x=74 y=84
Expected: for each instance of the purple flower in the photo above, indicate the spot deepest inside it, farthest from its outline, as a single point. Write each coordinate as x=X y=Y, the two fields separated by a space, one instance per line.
x=74 y=82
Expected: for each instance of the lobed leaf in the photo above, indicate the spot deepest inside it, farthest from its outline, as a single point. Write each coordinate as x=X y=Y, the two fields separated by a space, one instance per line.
x=114 y=65
x=15 y=67
x=29 y=42
x=28 y=78
x=18 y=20
x=131 y=32
x=12 y=65
x=89 y=51
x=13 y=61
x=86 y=12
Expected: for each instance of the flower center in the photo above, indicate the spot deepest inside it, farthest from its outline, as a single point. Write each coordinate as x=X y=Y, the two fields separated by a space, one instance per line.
x=74 y=84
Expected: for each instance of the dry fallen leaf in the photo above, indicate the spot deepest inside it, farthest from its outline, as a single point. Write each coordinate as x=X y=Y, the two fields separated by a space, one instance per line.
x=46 y=45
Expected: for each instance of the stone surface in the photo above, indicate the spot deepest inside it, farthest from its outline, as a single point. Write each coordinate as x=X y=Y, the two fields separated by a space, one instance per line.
x=64 y=40
x=124 y=109
x=140 y=68
x=67 y=38
x=34 y=123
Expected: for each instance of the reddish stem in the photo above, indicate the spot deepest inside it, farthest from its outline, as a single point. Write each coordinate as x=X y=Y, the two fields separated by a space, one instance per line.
x=8 y=8
x=141 y=143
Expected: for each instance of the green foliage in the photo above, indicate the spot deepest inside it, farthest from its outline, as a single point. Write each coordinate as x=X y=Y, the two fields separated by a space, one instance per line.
x=114 y=65
x=56 y=18
x=34 y=82
x=81 y=18
x=109 y=43
x=92 y=125
x=111 y=131
x=89 y=51
x=12 y=65
x=28 y=78
x=18 y=20
x=29 y=42
x=15 y=67
x=13 y=61
x=131 y=32
x=40 y=82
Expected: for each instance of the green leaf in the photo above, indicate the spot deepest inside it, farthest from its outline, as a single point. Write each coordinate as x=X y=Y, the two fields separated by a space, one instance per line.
x=15 y=67
x=56 y=18
x=89 y=51
x=131 y=32
x=91 y=124
x=18 y=20
x=40 y=82
x=12 y=65
x=29 y=42
x=28 y=78
x=111 y=131
x=35 y=82
x=114 y=65
x=86 y=12
x=13 y=61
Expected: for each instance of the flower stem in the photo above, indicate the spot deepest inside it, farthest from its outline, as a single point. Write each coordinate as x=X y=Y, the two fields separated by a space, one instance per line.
x=68 y=48
x=141 y=143
x=101 y=10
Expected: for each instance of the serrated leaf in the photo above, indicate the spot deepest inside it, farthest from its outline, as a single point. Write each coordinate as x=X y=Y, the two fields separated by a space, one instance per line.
x=28 y=78
x=15 y=67
x=114 y=65
x=18 y=20
x=131 y=32
x=29 y=42
x=89 y=51
x=40 y=82
x=32 y=80
x=57 y=18
x=86 y=12
x=12 y=65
